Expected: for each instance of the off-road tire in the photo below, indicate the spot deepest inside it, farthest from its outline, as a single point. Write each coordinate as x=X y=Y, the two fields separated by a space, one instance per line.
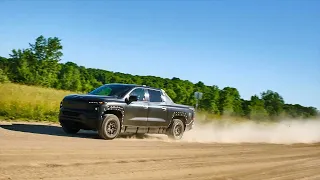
x=69 y=129
x=176 y=129
x=110 y=127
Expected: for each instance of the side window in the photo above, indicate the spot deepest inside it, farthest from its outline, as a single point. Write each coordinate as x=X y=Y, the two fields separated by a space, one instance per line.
x=140 y=93
x=155 y=96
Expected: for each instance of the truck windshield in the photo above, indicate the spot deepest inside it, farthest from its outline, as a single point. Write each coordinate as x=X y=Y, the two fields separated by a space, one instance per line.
x=116 y=90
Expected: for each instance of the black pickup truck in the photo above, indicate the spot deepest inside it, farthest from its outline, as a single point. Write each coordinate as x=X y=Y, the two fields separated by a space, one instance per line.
x=114 y=109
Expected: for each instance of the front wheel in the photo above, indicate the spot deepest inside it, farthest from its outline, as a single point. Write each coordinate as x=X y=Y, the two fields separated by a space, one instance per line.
x=110 y=127
x=176 y=130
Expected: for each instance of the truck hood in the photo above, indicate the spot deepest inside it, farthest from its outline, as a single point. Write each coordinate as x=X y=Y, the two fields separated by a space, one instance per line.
x=89 y=97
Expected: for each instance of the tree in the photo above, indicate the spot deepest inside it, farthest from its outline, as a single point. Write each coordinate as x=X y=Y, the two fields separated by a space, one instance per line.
x=230 y=102
x=245 y=108
x=298 y=111
x=47 y=49
x=46 y=53
x=69 y=77
x=4 y=64
x=22 y=67
x=210 y=99
x=256 y=108
x=3 y=77
x=38 y=64
x=273 y=103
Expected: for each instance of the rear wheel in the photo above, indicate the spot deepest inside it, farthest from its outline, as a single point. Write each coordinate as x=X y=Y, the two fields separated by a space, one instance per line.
x=69 y=128
x=176 y=129
x=110 y=127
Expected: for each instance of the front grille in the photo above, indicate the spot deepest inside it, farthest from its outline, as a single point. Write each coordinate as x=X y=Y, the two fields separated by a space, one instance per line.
x=71 y=104
x=78 y=110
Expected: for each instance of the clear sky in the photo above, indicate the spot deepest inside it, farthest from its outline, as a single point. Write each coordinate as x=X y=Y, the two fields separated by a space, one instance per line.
x=250 y=45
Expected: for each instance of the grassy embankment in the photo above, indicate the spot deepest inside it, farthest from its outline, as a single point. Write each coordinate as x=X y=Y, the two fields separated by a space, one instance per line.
x=31 y=103
x=21 y=102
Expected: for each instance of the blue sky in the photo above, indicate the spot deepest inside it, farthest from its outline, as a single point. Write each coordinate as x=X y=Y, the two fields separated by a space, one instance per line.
x=250 y=45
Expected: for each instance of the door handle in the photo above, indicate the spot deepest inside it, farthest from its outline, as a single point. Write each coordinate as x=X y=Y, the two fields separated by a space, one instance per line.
x=164 y=109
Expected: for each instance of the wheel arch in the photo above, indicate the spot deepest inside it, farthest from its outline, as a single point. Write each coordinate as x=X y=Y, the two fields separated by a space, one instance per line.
x=179 y=115
x=116 y=110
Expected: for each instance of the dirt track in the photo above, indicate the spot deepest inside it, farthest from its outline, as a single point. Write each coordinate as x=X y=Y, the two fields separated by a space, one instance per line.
x=29 y=151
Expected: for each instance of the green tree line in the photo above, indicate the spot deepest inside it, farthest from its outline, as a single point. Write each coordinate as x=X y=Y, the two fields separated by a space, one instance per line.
x=39 y=64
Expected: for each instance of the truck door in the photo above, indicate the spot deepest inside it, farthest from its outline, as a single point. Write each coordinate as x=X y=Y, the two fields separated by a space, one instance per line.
x=157 y=110
x=136 y=112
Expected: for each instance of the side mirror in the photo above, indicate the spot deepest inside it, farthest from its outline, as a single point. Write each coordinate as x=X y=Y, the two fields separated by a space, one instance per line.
x=133 y=98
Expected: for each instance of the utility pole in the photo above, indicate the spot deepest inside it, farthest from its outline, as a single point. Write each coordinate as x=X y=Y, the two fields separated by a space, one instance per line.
x=198 y=96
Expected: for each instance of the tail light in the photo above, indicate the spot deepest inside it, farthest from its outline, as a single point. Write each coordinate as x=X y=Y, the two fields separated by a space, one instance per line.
x=193 y=116
x=192 y=113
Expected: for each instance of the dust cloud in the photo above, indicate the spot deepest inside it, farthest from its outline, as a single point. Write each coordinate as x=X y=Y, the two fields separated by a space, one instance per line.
x=283 y=132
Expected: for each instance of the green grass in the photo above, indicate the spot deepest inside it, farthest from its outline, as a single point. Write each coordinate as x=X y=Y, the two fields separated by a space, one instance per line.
x=29 y=102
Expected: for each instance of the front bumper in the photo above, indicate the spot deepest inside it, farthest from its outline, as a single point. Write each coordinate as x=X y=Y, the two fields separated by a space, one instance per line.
x=84 y=119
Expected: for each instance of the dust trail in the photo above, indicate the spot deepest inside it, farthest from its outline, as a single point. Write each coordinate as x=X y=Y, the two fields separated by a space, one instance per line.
x=284 y=132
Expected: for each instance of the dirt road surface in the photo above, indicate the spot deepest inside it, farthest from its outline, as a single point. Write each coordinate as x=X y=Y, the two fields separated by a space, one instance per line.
x=40 y=151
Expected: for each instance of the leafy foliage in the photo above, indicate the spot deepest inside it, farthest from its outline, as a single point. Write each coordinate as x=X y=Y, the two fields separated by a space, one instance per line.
x=257 y=108
x=3 y=77
x=39 y=65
